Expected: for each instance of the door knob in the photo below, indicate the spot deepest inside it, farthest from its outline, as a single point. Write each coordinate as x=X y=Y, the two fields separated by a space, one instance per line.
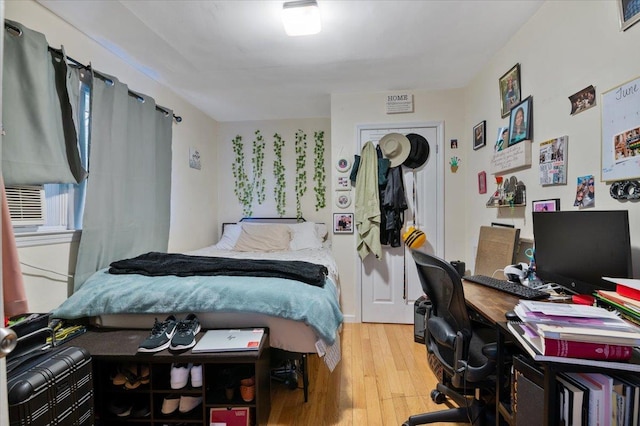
x=8 y=341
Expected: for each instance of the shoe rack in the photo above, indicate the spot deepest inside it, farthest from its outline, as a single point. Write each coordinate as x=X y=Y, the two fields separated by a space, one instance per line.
x=230 y=381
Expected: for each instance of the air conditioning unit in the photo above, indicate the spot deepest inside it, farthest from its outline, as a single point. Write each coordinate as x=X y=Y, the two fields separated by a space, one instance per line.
x=26 y=204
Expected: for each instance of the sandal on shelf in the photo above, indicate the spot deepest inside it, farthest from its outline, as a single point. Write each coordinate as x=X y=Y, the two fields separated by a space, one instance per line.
x=131 y=376
x=137 y=374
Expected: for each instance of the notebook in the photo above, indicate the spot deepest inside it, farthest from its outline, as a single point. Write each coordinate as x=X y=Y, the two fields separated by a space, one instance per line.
x=230 y=340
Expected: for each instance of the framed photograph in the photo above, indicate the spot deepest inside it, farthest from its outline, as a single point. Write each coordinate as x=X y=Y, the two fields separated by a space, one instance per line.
x=343 y=223
x=583 y=100
x=552 y=205
x=521 y=122
x=343 y=165
x=343 y=199
x=482 y=182
x=502 y=139
x=629 y=13
x=509 y=85
x=479 y=135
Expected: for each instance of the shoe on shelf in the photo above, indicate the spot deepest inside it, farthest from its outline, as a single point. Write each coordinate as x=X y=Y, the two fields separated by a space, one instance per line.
x=188 y=403
x=247 y=393
x=248 y=381
x=120 y=407
x=160 y=337
x=185 y=335
x=170 y=404
x=136 y=374
x=180 y=375
x=140 y=409
x=196 y=375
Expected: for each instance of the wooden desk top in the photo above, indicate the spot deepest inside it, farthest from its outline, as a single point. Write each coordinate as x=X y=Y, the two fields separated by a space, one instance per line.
x=491 y=304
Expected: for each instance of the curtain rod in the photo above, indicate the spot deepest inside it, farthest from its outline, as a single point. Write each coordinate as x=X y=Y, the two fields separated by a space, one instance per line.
x=88 y=68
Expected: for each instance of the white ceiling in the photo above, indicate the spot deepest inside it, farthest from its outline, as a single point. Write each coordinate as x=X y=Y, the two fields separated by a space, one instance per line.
x=232 y=59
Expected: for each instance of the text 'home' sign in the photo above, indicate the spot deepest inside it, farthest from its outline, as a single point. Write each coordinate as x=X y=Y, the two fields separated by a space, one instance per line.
x=399 y=103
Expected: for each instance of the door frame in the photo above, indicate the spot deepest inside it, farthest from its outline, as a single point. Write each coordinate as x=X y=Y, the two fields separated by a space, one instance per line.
x=439 y=161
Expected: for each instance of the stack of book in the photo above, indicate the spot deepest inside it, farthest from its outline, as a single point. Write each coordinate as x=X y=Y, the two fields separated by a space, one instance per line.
x=562 y=332
x=626 y=298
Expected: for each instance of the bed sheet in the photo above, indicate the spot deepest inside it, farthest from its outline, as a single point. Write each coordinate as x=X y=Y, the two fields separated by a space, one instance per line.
x=106 y=295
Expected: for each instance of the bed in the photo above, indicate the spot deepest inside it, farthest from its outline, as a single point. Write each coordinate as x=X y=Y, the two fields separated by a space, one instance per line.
x=302 y=318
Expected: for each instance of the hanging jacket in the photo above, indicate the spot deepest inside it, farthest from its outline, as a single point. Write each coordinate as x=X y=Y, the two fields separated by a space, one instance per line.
x=367 y=208
x=394 y=203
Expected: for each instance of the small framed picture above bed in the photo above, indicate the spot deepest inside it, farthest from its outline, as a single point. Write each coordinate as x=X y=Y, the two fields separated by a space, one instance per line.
x=343 y=223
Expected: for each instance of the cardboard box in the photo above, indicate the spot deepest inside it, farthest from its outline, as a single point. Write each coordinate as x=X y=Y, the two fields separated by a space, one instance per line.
x=230 y=416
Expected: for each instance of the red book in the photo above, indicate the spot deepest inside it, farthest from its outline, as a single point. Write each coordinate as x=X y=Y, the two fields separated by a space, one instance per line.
x=628 y=291
x=584 y=350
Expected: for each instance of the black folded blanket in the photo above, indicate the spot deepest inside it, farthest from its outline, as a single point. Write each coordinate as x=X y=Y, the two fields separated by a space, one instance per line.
x=182 y=265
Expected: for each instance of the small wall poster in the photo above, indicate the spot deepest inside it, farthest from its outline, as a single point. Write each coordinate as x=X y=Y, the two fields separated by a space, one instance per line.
x=194 y=158
x=553 y=161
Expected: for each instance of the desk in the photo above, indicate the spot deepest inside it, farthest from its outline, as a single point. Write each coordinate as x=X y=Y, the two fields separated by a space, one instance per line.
x=488 y=302
x=492 y=304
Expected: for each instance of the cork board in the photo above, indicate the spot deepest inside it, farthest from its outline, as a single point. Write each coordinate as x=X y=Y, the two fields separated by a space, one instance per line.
x=496 y=249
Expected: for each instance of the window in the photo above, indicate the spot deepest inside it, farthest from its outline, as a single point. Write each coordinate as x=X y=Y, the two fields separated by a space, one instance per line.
x=63 y=204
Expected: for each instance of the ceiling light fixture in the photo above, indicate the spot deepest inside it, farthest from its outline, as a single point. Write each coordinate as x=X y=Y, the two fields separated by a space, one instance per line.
x=301 y=17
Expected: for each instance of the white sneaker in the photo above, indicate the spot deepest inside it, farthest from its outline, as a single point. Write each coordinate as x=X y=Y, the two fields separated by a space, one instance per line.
x=180 y=375
x=189 y=402
x=170 y=404
x=196 y=375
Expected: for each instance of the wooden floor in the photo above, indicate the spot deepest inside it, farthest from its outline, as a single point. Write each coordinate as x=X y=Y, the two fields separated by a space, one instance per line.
x=383 y=378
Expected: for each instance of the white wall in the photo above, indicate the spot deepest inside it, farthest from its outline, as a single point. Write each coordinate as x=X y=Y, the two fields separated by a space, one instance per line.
x=564 y=48
x=194 y=212
x=230 y=208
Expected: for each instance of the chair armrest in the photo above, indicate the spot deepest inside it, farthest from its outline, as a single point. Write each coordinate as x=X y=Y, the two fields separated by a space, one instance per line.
x=441 y=332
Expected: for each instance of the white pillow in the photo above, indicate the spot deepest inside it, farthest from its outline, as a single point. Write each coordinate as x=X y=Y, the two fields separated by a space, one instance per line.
x=229 y=237
x=304 y=236
x=264 y=238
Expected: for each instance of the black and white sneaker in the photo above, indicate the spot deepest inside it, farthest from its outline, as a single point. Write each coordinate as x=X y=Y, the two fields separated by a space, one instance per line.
x=185 y=336
x=160 y=337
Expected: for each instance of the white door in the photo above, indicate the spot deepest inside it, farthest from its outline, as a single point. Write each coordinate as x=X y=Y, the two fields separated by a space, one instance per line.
x=390 y=286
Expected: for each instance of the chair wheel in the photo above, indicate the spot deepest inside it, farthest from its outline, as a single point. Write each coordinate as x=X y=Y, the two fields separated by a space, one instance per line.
x=438 y=397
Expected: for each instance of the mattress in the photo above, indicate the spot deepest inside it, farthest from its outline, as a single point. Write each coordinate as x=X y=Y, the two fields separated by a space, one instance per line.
x=299 y=316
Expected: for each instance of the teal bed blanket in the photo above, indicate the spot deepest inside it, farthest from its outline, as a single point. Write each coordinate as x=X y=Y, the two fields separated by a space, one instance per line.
x=104 y=294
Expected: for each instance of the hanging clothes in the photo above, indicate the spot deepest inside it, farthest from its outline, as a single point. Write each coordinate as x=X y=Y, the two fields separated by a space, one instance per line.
x=13 y=292
x=367 y=207
x=394 y=203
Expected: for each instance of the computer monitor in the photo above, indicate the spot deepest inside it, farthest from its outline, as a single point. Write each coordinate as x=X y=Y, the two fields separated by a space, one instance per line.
x=577 y=248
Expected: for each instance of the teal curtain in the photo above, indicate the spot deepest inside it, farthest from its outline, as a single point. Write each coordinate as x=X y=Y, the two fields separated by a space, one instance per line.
x=39 y=92
x=128 y=195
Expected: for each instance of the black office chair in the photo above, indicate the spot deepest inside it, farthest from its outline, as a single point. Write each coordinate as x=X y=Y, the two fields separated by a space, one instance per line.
x=460 y=352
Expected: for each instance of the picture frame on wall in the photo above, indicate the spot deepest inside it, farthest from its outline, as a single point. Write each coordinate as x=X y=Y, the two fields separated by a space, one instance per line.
x=552 y=205
x=629 y=11
x=521 y=122
x=343 y=223
x=482 y=182
x=480 y=135
x=509 y=85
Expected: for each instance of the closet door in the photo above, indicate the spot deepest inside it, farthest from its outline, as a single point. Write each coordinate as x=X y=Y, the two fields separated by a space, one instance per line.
x=390 y=286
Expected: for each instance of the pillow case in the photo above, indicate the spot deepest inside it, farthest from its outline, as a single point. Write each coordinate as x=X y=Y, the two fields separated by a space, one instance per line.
x=265 y=238
x=229 y=237
x=304 y=236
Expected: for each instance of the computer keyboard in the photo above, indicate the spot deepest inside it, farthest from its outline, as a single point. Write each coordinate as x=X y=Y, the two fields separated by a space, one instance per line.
x=515 y=289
